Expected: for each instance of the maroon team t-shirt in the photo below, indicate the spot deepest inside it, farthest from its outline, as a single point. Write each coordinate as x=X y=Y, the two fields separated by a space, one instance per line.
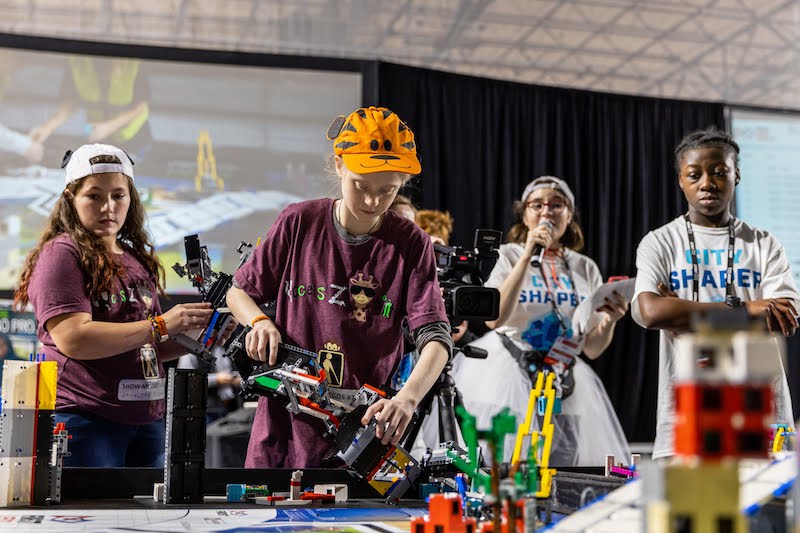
x=128 y=387
x=343 y=301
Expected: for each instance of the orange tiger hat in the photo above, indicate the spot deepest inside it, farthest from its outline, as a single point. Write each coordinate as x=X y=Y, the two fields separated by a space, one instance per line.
x=374 y=139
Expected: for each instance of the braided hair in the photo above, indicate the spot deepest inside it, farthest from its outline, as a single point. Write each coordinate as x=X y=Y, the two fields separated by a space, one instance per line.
x=711 y=136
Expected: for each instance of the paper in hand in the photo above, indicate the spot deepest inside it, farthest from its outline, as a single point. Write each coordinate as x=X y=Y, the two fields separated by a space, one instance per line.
x=586 y=317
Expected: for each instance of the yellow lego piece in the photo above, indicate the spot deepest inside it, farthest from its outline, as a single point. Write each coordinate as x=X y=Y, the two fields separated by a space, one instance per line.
x=549 y=393
x=390 y=472
x=706 y=495
x=48 y=375
x=527 y=424
x=657 y=517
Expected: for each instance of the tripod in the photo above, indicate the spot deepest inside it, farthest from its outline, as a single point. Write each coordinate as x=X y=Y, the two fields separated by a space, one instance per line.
x=447 y=398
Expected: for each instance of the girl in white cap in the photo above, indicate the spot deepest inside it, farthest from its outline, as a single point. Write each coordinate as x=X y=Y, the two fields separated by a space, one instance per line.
x=537 y=304
x=94 y=283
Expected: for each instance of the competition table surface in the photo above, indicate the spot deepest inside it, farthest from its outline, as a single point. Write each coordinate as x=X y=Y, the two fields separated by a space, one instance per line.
x=116 y=500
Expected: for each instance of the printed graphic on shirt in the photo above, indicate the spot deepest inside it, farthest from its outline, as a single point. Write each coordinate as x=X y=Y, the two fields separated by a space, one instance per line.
x=543 y=331
x=149 y=359
x=712 y=272
x=139 y=295
x=561 y=290
x=386 y=310
x=146 y=295
x=362 y=291
x=331 y=360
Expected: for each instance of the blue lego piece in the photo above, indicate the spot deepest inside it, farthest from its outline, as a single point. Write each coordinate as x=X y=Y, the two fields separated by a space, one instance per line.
x=210 y=327
x=461 y=484
x=234 y=492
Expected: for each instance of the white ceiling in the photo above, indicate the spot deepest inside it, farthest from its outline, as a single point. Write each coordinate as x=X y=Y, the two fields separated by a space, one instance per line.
x=735 y=51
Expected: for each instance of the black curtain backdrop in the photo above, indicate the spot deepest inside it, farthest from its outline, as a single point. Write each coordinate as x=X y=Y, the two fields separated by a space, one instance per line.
x=481 y=141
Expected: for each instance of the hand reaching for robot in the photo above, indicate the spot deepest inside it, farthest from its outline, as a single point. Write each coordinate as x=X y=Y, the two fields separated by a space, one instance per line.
x=392 y=417
x=184 y=317
x=262 y=342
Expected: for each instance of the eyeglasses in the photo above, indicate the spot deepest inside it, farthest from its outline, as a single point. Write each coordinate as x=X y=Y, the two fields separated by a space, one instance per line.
x=536 y=207
x=355 y=289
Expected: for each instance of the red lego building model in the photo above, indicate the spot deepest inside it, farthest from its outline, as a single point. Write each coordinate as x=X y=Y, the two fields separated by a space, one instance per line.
x=723 y=420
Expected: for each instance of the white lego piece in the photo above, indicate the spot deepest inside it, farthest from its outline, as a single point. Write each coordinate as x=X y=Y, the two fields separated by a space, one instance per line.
x=15 y=481
x=610 y=463
x=294 y=485
x=158 y=492
x=758 y=357
x=742 y=357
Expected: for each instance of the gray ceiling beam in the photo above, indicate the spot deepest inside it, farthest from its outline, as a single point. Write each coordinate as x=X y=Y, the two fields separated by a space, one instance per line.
x=693 y=61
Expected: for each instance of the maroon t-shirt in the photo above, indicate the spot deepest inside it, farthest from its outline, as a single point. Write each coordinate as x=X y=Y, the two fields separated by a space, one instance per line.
x=346 y=303
x=128 y=387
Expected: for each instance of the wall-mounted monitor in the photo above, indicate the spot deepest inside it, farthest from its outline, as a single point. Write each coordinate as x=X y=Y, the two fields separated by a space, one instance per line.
x=768 y=195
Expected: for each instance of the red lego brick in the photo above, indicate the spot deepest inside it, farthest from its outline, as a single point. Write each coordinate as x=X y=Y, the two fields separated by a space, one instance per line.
x=713 y=421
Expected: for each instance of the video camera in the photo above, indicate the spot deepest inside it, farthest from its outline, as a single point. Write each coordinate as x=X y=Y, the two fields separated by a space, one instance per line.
x=461 y=275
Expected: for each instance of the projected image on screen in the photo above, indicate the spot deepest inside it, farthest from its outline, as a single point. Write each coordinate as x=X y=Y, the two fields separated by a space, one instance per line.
x=768 y=195
x=218 y=150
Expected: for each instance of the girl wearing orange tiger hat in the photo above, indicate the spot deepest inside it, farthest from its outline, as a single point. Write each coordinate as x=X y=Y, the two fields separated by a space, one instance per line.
x=345 y=273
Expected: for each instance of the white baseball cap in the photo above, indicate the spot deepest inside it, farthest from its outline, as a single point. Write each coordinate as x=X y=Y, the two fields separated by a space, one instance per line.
x=95 y=159
x=550 y=182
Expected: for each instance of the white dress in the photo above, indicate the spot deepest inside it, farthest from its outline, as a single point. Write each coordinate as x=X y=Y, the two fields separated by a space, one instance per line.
x=587 y=429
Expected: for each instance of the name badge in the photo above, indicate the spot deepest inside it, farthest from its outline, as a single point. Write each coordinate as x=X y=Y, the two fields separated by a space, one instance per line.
x=141 y=390
x=564 y=351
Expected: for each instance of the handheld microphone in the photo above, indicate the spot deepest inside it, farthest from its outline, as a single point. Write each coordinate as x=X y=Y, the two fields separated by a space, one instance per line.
x=539 y=250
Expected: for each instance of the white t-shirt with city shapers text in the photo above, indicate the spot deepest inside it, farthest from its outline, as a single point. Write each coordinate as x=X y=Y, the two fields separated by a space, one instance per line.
x=540 y=287
x=760 y=271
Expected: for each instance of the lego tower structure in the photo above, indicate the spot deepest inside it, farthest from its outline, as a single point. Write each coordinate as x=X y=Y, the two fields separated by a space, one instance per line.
x=26 y=432
x=723 y=410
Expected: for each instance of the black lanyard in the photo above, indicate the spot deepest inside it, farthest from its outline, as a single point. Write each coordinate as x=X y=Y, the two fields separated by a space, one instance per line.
x=561 y=318
x=696 y=261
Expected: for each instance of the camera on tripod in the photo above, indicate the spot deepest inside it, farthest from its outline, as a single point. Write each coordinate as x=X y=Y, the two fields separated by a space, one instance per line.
x=461 y=274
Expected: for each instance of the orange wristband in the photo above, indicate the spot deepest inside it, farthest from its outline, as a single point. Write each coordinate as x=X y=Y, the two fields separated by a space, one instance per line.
x=162 y=325
x=259 y=318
